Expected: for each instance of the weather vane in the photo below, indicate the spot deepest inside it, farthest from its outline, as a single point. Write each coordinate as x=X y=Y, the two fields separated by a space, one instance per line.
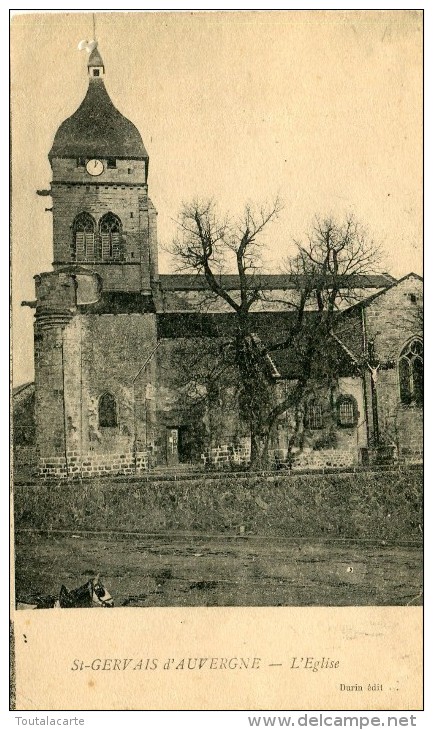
x=89 y=45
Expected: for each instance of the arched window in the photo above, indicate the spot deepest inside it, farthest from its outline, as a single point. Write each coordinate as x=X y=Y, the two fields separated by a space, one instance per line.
x=83 y=248
x=107 y=411
x=110 y=232
x=411 y=373
x=314 y=415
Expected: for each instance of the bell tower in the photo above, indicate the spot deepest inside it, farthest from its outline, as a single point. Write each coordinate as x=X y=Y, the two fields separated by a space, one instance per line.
x=95 y=320
x=103 y=218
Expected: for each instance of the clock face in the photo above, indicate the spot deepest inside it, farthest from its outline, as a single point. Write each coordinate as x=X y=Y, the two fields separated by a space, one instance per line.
x=95 y=167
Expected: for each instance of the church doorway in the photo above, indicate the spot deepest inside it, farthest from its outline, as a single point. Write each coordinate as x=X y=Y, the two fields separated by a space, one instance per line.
x=179 y=445
x=172 y=441
x=185 y=445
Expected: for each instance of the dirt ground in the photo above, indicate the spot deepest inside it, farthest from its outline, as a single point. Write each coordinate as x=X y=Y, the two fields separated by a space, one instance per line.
x=197 y=570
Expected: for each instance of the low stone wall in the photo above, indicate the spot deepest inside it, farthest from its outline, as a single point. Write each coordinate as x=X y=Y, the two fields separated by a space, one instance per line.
x=55 y=466
x=324 y=459
x=226 y=454
x=220 y=457
x=239 y=455
x=92 y=464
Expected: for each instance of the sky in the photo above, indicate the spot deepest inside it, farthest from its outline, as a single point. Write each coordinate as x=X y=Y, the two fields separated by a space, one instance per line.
x=323 y=108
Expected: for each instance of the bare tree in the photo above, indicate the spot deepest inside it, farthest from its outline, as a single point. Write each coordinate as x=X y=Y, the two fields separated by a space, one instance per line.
x=328 y=272
x=325 y=273
x=207 y=245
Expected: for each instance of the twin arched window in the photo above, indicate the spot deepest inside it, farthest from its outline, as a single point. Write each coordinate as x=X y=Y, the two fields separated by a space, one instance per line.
x=410 y=370
x=90 y=244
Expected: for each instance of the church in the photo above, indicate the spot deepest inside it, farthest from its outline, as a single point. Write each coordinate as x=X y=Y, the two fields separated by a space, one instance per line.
x=110 y=334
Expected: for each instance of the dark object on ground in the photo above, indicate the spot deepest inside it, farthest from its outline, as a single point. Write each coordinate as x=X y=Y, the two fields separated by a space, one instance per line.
x=92 y=594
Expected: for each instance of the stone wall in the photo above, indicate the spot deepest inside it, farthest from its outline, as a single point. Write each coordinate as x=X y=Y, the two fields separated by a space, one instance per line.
x=80 y=359
x=109 y=353
x=324 y=459
x=391 y=320
x=122 y=192
x=181 y=402
x=227 y=449
x=25 y=455
x=233 y=455
x=70 y=200
x=236 y=454
x=49 y=412
x=91 y=465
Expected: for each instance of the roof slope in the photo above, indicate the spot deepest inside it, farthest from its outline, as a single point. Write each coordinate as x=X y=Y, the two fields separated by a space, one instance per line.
x=112 y=302
x=98 y=129
x=95 y=58
x=269 y=327
x=19 y=389
x=184 y=282
x=390 y=285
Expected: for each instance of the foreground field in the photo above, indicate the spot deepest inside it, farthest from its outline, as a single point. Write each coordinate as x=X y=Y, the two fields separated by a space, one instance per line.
x=199 y=570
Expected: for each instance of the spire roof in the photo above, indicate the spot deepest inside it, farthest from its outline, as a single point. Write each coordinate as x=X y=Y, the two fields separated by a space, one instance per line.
x=97 y=128
x=95 y=58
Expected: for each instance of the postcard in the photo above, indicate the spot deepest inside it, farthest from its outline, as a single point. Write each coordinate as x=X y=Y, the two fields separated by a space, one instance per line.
x=217 y=360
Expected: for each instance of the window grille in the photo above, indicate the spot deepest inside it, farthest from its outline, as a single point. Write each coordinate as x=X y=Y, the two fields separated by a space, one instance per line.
x=314 y=416
x=346 y=415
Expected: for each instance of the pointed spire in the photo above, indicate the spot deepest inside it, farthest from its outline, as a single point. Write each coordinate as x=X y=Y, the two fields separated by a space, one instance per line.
x=95 y=64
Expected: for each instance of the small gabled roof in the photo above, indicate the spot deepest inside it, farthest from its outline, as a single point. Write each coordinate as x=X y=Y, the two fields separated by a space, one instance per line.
x=95 y=58
x=365 y=302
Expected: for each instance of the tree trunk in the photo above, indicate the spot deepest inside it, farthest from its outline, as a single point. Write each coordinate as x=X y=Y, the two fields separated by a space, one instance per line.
x=255 y=459
x=259 y=448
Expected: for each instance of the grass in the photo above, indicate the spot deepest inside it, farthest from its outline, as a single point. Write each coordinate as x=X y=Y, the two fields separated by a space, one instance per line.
x=365 y=505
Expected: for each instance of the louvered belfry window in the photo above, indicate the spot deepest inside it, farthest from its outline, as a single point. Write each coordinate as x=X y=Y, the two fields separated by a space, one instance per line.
x=110 y=232
x=83 y=248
